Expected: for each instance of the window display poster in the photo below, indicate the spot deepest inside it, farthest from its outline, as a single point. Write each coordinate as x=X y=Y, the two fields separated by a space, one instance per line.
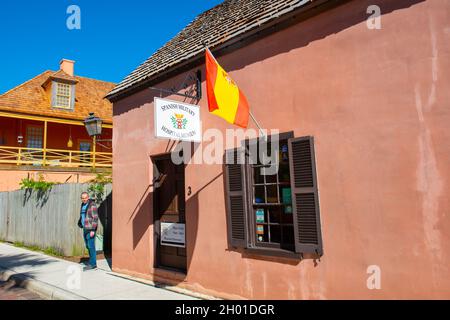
x=287 y=195
x=260 y=229
x=287 y=200
x=260 y=215
x=173 y=234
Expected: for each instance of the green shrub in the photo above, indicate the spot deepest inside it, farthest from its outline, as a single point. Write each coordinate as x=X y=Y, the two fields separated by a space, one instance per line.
x=51 y=251
x=40 y=185
x=97 y=186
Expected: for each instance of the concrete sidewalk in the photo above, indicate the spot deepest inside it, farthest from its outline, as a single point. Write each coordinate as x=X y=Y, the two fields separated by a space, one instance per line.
x=52 y=278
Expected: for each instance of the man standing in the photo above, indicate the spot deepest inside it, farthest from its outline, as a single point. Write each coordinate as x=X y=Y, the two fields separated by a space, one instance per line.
x=88 y=222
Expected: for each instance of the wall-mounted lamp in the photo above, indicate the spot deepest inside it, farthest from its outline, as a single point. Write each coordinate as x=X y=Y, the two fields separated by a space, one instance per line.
x=93 y=125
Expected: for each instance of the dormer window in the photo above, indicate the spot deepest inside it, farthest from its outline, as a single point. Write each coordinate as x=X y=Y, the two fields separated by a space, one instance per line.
x=63 y=95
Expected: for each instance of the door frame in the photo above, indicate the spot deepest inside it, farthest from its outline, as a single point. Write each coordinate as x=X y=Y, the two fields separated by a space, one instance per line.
x=156 y=221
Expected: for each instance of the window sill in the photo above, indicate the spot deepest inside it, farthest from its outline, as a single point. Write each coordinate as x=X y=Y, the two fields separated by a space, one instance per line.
x=63 y=108
x=279 y=253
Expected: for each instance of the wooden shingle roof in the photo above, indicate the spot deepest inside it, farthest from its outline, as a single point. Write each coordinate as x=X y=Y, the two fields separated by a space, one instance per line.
x=230 y=19
x=34 y=97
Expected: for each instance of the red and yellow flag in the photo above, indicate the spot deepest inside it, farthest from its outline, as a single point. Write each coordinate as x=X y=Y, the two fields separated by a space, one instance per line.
x=224 y=97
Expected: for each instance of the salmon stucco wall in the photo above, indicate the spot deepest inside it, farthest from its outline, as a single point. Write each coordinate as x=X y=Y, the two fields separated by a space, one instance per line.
x=10 y=179
x=377 y=103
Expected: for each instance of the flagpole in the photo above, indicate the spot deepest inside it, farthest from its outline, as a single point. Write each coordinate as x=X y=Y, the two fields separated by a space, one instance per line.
x=257 y=124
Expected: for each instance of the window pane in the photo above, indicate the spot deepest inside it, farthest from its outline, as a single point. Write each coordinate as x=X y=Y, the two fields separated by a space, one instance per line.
x=63 y=92
x=272 y=194
x=262 y=234
x=286 y=195
x=286 y=215
x=284 y=152
x=283 y=173
x=258 y=178
x=272 y=209
x=288 y=241
x=260 y=194
x=261 y=215
x=63 y=89
x=271 y=178
x=274 y=214
x=34 y=137
x=275 y=234
x=85 y=146
x=62 y=101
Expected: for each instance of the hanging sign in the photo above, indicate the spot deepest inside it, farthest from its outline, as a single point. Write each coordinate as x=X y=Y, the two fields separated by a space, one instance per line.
x=173 y=234
x=177 y=121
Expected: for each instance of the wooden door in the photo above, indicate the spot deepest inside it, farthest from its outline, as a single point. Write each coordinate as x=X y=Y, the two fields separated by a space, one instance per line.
x=169 y=207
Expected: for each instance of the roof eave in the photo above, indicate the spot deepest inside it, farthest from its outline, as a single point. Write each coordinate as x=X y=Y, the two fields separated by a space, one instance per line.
x=302 y=13
x=52 y=78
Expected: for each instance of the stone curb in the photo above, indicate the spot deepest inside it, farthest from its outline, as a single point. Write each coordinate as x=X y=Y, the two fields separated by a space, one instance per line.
x=41 y=288
x=165 y=287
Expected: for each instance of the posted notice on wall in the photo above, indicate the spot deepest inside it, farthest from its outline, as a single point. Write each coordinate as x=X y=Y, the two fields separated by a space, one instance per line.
x=173 y=234
x=177 y=121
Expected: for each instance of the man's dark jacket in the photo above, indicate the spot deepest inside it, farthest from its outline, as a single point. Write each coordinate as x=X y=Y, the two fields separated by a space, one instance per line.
x=91 y=219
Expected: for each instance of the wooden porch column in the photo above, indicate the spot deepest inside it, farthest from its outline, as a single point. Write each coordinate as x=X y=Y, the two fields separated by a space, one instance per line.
x=45 y=143
x=94 y=150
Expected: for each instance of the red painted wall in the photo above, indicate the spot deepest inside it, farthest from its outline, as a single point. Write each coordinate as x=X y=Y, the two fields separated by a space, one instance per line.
x=57 y=134
x=377 y=103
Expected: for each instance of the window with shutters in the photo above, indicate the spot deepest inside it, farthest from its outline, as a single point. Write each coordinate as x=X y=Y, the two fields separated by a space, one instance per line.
x=277 y=211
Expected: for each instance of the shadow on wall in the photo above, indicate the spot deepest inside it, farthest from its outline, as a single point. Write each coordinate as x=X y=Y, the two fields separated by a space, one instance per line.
x=314 y=28
x=41 y=197
x=142 y=216
x=148 y=96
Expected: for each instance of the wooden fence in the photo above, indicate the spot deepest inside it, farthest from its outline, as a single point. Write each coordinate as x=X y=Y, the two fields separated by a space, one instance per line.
x=49 y=220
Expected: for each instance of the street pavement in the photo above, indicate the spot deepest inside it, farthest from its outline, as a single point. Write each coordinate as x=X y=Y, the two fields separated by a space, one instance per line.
x=9 y=290
x=59 y=279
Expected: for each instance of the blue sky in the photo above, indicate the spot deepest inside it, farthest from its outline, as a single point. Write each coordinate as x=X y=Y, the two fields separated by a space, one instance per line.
x=115 y=37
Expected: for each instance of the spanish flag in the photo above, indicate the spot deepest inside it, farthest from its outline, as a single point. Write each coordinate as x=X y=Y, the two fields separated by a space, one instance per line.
x=224 y=97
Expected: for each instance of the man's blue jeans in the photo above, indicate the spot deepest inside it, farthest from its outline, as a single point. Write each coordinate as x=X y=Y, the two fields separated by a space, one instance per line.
x=90 y=245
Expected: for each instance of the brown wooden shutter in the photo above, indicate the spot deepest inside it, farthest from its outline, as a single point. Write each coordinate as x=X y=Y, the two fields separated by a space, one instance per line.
x=305 y=198
x=236 y=200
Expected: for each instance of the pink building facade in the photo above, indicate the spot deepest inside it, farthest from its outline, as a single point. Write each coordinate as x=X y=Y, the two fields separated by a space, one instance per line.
x=376 y=102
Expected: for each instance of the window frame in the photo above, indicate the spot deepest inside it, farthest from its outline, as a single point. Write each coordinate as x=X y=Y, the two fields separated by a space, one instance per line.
x=267 y=206
x=56 y=85
x=33 y=127
x=253 y=247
